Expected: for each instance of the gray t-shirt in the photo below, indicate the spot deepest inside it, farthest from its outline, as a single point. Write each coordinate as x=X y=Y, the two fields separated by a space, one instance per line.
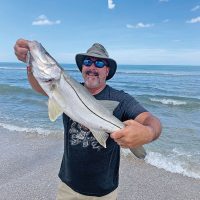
x=87 y=167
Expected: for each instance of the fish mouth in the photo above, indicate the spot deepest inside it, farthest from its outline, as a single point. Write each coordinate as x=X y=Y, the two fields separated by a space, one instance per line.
x=49 y=81
x=45 y=80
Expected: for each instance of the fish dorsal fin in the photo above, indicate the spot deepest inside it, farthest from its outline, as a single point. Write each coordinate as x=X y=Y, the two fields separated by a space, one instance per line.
x=109 y=105
x=54 y=110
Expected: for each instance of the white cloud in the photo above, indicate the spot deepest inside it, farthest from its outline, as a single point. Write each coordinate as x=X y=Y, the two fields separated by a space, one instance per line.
x=139 y=25
x=163 y=0
x=176 y=40
x=165 y=21
x=43 y=20
x=111 y=5
x=129 y=26
x=194 y=20
x=196 y=8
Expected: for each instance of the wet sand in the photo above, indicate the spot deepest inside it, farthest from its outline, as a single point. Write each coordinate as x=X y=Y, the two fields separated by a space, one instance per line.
x=29 y=165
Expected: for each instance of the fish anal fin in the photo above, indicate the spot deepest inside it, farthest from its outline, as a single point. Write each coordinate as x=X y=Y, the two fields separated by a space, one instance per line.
x=54 y=109
x=100 y=136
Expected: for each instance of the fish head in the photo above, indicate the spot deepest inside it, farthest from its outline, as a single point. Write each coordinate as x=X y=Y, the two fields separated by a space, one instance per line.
x=45 y=67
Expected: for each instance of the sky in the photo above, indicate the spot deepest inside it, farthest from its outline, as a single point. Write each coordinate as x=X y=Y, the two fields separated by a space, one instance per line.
x=154 y=32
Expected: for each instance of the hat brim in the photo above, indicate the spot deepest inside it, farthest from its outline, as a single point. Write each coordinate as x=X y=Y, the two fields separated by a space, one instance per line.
x=111 y=63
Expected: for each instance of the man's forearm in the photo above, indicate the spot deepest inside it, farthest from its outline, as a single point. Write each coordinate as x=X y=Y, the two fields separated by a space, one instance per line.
x=154 y=124
x=34 y=84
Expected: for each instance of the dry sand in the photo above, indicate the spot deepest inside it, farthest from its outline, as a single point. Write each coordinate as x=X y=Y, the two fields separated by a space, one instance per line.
x=29 y=165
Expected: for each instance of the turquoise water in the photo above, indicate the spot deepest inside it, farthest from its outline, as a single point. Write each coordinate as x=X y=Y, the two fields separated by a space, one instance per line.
x=172 y=93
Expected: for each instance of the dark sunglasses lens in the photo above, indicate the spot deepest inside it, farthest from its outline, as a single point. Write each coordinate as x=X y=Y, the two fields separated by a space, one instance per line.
x=87 y=62
x=99 y=64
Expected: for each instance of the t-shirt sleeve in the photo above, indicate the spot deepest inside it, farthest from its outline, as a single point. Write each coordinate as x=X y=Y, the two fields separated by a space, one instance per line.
x=131 y=107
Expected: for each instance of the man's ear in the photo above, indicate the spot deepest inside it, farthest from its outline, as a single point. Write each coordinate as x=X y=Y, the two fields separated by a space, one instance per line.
x=107 y=71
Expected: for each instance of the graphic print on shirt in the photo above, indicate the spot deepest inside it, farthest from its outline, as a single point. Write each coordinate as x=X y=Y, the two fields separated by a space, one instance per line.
x=79 y=134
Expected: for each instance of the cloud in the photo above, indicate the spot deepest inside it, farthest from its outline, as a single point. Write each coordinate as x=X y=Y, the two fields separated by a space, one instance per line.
x=165 y=21
x=139 y=25
x=194 y=20
x=163 y=1
x=176 y=40
x=111 y=5
x=42 y=20
x=196 y=8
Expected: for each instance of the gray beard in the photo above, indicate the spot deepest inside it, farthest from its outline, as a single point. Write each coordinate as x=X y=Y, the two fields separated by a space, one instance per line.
x=92 y=84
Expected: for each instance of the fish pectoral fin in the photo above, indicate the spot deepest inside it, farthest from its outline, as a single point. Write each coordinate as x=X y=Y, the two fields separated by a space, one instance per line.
x=54 y=110
x=110 y=105
x=100 y=136
x=139 y=152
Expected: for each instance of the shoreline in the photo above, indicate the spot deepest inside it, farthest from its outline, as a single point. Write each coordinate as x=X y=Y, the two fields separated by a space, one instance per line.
x=30 y=165
x=139 y=180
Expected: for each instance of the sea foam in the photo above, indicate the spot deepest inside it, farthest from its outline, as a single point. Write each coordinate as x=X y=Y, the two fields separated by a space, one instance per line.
x=37 y=131
x=168 y=101
x=171 y=164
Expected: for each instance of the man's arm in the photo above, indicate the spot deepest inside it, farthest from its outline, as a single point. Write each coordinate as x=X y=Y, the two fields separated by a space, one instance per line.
x=142 y=130
x=33 y=82
x=152 y=122
x=21 y=50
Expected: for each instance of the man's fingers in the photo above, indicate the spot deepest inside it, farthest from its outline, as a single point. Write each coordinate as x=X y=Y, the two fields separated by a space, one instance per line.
x=21 y=49
x=21 y=55
x=22 y=43
x=116 y=135
x=129 y=122
x=121 y=143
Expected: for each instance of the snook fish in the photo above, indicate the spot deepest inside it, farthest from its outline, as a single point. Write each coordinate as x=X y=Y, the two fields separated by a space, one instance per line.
x=68 y=96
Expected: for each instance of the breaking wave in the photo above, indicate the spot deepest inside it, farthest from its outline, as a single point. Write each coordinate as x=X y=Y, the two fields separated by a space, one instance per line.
x=36 y=131
x=173 y=164
x=169 y=101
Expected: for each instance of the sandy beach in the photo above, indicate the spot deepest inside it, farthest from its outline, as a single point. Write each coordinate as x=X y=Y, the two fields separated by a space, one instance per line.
x=30 y=164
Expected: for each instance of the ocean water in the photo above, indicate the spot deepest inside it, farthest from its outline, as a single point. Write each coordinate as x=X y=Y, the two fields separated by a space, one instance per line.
x=172 y=93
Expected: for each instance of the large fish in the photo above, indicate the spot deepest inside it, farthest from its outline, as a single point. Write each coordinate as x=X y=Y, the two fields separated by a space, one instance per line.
x=68 y=96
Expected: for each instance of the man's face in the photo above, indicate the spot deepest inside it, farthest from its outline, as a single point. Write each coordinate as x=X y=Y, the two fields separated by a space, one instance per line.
x=94 y=72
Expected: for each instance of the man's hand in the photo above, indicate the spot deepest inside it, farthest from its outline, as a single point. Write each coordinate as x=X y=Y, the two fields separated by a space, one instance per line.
x=144 y=129
x=133 y=134
x=21 y=49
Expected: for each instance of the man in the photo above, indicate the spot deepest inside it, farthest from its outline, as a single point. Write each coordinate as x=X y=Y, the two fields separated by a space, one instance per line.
x=89 y=171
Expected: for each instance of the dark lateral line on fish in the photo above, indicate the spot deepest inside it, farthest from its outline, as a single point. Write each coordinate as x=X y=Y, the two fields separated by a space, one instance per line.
x=88 y=107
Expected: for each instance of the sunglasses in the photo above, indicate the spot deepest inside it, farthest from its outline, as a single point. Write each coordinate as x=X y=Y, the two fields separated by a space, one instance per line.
x=98 y=63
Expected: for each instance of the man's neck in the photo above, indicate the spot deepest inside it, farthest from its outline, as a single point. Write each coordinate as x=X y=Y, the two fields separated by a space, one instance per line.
x=95 y=91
